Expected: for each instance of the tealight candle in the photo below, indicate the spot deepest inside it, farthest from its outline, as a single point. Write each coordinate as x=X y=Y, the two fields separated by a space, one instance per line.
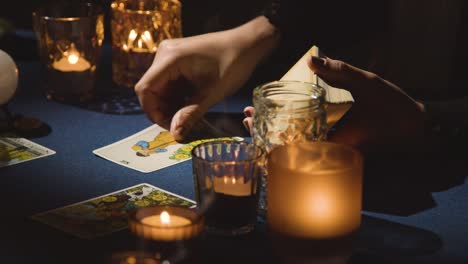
x=322 y=182
x=230 y=185
x=165 y=219
x=71 y=61
x=163 y=223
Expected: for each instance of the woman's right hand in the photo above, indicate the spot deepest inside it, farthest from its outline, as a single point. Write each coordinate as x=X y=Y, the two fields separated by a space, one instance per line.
x=189 y=75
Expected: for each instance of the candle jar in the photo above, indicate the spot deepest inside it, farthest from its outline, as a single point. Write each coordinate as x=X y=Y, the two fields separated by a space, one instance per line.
x=69 y=37
x=138 y=26
x=166 y=233
x=287 y=112
x=226 y=175
x=323 y=182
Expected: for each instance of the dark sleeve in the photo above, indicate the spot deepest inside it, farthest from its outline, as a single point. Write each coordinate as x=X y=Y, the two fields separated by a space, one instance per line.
x=341 y=29
x=448 y=118
x=330 y=24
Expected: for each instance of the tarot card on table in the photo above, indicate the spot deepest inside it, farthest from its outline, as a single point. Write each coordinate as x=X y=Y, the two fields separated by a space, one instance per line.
x=151 y=149
x=108 y=213
x=14 y=150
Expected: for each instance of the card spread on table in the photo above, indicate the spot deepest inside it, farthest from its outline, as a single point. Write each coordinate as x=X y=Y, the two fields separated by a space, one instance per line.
x=149 y=150
x=108 y=213
x=14 y=150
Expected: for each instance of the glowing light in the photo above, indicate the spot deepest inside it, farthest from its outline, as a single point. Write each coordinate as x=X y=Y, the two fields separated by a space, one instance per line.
x=165 y=218
x=132 y=36
x=73 y=58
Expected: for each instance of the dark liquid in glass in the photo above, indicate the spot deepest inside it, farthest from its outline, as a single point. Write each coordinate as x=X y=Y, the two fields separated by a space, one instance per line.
x=231 y=212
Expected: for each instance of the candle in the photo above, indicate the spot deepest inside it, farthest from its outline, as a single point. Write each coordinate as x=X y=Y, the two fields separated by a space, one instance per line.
x=71 y=61
x=140 y=43
x=162 y=223
x=314 y=190
x=226 y=182
x=230 y=185
x=165 y=219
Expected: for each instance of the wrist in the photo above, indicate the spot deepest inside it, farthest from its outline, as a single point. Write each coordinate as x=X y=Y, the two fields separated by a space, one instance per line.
x=257 y=38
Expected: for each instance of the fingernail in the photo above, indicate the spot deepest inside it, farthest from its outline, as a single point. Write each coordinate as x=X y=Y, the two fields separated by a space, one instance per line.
x=318 y=61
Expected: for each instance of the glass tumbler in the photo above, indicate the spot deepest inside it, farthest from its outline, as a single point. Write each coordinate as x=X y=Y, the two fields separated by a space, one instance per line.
x=287 y=112
x=226 y=176
x=69 y=37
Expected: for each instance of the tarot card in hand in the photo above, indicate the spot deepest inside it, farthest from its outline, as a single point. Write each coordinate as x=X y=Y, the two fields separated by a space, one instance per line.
x=107 y=214
x=14 y=150
x=151 y=149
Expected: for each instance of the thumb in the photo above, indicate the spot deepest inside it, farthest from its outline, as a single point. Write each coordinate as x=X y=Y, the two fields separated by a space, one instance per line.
x=340 y=74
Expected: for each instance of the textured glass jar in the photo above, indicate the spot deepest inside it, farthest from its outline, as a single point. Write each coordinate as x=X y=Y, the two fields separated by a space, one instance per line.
x=286 y=112
x=137 y=27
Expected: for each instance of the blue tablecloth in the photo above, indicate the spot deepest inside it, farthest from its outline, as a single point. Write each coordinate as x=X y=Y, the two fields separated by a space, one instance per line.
x=430 y=228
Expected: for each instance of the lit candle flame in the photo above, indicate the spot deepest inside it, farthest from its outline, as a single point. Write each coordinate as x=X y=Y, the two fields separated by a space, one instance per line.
x=73 y=58
x=165 y=218
x=132 y=36
x=144 y=41
x=233 y=180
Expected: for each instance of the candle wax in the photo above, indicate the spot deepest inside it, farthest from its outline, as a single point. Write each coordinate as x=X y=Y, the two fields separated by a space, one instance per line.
x=66 y=66
x=232 y=186
x=174 y=221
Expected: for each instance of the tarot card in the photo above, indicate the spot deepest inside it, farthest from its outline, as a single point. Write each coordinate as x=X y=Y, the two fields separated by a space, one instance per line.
x=149 y=150
x=107 y=214
x=14 y=150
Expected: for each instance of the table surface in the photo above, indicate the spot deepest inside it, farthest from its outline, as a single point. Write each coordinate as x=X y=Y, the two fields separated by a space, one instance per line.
x=406 y=219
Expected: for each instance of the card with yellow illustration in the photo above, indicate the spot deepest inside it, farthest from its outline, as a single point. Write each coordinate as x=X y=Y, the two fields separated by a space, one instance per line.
x=15 y=149
x=107 y=214
x=151 y=149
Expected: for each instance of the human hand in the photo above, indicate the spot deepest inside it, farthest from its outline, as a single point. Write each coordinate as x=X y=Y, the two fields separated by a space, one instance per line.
x=383 y=116
x=189 y=75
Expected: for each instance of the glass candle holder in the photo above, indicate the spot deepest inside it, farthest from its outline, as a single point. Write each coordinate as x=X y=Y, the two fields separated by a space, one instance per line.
x=69 y=37
x=138 y=26
x=323 y=180
x=287 y=112
x=226 y=175
x=167 y=232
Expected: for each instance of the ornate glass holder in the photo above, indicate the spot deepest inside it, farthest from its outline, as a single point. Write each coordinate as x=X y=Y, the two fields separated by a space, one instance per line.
x=138 y=26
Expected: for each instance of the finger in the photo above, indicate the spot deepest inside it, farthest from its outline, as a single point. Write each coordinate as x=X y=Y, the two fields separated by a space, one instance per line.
x=340 y=74
x=185 y=119
x=150 y=92
x=249 y=111
x=248 y=124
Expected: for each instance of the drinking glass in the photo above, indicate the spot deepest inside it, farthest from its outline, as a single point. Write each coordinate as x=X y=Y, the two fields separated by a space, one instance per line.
x=69 y=37
x=226 y=175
